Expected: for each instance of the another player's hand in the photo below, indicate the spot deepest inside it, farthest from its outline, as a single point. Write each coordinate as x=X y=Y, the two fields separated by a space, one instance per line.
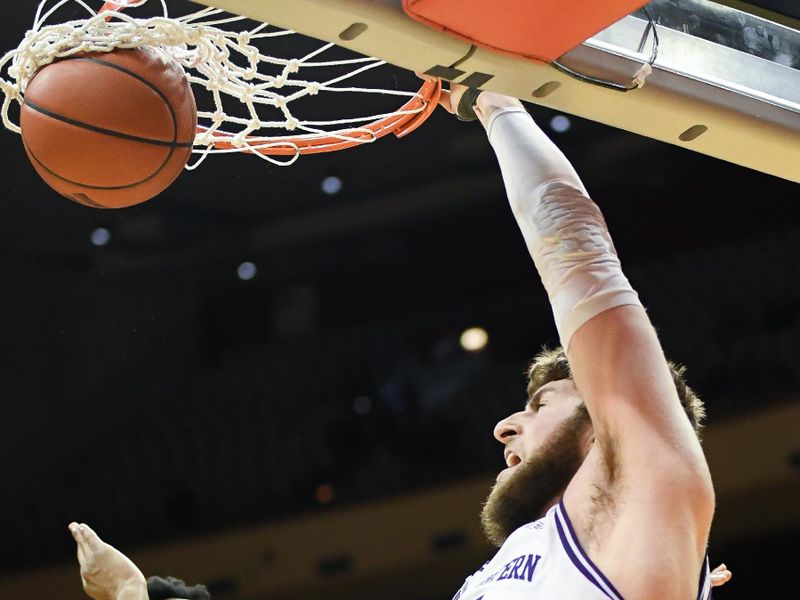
x=106 y=573
x=720 y=576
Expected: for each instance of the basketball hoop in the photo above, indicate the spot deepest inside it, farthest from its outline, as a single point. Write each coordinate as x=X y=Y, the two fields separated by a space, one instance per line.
x=231 y=66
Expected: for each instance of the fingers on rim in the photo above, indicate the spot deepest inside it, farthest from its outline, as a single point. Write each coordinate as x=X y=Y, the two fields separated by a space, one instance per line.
x=444 y=101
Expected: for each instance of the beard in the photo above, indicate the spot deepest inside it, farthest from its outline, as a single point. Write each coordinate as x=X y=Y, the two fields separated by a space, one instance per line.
x=530 y=490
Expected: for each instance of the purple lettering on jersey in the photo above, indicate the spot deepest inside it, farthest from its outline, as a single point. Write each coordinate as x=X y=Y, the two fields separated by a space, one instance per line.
x=512 y=569
x=520 y=568
x=530 y=566
x=516 y=574
x=507 y=569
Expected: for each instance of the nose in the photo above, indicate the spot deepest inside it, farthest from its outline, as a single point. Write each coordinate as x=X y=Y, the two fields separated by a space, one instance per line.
x=507 y=429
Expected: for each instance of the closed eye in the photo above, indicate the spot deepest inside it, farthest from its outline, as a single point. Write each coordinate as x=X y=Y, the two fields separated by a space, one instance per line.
x=535 y=401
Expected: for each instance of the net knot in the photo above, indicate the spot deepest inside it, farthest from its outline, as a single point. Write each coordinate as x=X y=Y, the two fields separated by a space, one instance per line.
x=243 y=39
x=204 y=139
x=291 y=124
x=8 y=89
x=240 y=139
x=218 y=118
x=248 y=94
x=313 y=88
x=293 y=66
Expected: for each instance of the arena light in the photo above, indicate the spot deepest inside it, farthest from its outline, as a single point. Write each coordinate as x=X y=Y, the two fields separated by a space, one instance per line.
x=331 y=185
x=560 y=124
x=100 y=236
x=474 y=339
x=246 y=271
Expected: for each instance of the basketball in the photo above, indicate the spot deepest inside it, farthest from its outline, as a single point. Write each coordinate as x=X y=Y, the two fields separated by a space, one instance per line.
x=109 y=130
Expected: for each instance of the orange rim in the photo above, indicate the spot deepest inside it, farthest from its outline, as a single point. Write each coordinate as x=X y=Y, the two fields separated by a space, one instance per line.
x=418 y=109
x=424 y=103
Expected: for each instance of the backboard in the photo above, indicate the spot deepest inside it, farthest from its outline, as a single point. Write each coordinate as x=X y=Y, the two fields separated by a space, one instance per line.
x=725 y=83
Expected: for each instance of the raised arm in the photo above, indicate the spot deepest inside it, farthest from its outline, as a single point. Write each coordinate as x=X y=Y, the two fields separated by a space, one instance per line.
x=616 y=358
x=646 y=462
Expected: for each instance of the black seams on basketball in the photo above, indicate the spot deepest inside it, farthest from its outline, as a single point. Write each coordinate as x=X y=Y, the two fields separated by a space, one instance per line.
x=109 y=130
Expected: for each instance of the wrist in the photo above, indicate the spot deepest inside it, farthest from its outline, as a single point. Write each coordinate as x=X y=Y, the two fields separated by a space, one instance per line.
x=488 y=102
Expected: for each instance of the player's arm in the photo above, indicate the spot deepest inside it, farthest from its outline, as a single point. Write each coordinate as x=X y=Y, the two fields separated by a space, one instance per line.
x=644 y=444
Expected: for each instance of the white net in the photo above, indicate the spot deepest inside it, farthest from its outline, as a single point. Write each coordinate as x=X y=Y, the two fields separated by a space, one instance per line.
x=250 y=94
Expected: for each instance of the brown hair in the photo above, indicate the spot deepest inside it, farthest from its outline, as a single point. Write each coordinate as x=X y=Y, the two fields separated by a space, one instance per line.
x=552 y=365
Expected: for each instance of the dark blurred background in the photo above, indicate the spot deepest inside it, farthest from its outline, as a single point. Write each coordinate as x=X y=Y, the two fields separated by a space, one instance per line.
x=264 y=354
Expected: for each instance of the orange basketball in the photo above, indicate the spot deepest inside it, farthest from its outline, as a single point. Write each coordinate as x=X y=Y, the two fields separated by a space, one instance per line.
x=109 y=130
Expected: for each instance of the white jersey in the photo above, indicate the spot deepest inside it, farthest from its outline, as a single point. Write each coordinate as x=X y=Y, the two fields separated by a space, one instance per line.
x=544 y=560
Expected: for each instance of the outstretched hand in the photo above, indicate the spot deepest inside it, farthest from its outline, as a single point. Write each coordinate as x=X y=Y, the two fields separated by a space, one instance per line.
x=106 y=573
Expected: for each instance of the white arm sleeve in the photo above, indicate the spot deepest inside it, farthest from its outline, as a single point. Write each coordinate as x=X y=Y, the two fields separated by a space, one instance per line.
x=564 y=230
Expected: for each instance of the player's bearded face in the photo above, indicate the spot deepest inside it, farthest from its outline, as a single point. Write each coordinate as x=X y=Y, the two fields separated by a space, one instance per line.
x=541 y=478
